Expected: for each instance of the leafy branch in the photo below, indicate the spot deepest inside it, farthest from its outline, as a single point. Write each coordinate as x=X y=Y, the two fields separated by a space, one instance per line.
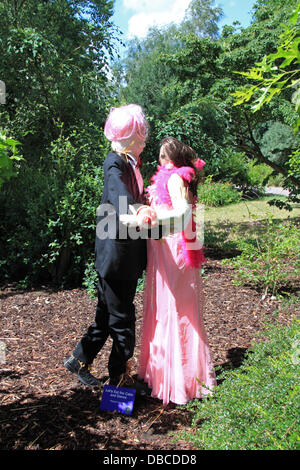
x=8 y=153
x=271 y=79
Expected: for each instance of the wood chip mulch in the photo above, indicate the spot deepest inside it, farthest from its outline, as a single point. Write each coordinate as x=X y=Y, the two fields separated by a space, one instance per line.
x=44 y=407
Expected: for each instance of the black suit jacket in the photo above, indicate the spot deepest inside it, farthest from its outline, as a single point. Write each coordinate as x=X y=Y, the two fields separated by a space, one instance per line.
x=118 y=256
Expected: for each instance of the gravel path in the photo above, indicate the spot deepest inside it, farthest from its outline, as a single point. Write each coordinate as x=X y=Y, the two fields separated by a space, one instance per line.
x=277 y=191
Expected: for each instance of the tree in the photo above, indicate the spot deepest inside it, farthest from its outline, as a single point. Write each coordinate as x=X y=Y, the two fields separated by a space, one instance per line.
x=240 y=51
x=275 y=75
x=54 y=60
x=276 y=72
x=146 y=76
x=150 y=78
x=276 y=141
x=201 y=18
x=197 y=68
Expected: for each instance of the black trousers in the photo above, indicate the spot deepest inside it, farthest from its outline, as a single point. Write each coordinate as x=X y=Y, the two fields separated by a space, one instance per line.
x=115 y=317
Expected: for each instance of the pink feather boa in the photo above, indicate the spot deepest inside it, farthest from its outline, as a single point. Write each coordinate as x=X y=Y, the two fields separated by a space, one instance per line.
x=158 y=194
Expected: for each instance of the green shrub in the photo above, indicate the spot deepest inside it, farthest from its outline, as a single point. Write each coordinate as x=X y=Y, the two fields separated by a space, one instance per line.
x=255 y=407
x=141 y=283
x=233 y=168
x=90 y=278
x=217 y=194
x=258 y=173
x=271 y=260
x=261 y=174
x=8 y=153
x=50 y=212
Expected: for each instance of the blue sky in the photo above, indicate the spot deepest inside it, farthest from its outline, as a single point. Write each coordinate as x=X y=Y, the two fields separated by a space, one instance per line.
x=135 y=16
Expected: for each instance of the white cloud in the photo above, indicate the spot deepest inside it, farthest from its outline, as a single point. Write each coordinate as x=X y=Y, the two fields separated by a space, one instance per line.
x=153 y=13
x=144 y=6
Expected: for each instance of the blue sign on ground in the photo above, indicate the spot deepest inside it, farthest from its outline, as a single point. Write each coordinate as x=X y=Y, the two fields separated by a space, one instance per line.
x=118 y=398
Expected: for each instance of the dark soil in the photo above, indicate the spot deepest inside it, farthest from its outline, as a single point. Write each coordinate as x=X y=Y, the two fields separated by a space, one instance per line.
x=43 y=406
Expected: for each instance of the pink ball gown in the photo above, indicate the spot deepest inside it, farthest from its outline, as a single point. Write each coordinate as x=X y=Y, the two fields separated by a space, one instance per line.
x=175 y=359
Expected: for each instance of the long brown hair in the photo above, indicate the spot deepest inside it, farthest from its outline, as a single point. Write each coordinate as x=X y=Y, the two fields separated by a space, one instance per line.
x=181 y=155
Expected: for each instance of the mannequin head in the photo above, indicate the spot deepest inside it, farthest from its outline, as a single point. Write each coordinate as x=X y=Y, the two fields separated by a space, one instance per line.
x=127 y=128
x=174 y=153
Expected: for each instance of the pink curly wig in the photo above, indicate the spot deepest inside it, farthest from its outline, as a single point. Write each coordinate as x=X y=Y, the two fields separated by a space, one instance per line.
x=126 y=122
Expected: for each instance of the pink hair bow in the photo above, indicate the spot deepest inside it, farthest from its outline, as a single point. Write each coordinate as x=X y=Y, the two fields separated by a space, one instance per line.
x=199 y=164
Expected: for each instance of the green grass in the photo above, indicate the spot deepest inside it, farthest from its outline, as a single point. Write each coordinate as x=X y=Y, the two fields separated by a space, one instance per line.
x=247 y=212
x=225 y=226
x=255 y=407
x=260 y=241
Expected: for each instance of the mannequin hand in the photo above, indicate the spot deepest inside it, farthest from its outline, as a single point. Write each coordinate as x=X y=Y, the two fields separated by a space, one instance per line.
x=145 y=216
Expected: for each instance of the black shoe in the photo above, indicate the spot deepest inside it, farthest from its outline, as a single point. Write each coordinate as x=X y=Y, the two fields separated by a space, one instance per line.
x=83 y=372
x=142 y=389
